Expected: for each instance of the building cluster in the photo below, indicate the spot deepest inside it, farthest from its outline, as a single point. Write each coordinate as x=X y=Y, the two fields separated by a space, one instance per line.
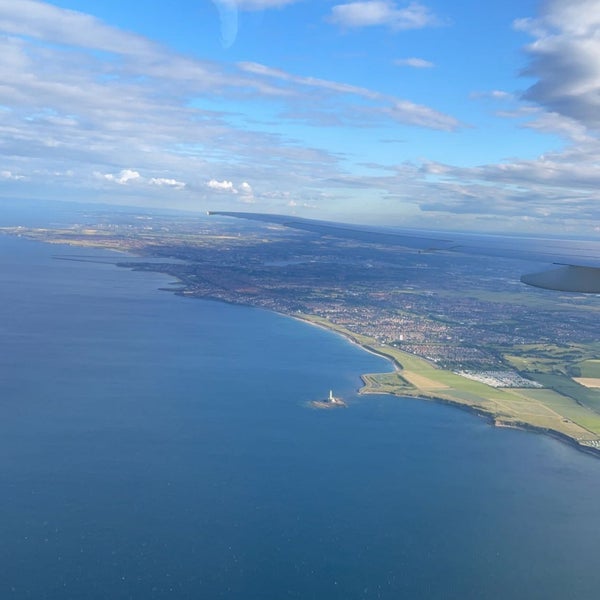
x=500 y=379
x=461 y=314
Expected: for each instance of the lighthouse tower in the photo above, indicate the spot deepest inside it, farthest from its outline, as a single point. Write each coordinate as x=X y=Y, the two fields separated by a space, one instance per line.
x=331 y=396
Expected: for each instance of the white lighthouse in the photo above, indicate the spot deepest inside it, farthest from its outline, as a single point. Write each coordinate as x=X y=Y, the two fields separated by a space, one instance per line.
x=330 y=402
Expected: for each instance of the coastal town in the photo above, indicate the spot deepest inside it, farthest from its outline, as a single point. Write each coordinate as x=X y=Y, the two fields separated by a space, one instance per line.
x=464 y=316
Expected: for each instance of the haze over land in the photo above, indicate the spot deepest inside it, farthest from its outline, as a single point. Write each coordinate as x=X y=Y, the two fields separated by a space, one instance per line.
x=429 y=113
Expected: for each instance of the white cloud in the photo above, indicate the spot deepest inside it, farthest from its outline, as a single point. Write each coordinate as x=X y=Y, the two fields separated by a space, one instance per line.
x=294 y=204
x=11 y=176
x=79 y=99
x=383 y=13
x=254 y=4
x=166 y=182
x=222 y=186
x=553 y=123
x=124 y=177
x=501 y=95
x=417 y=63
x=130 y=176
x=493 y=95
x=243 y=191
x=381 y=105
x=246 y=189
x=314 y=82
x=564 y=58
x=80 y=95
x=246 y=193
x=554 y=187
x=419 y=115
x=47 y=22
x=64 y=107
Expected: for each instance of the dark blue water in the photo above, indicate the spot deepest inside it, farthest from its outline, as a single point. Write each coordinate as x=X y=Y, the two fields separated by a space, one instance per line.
x=153 y=446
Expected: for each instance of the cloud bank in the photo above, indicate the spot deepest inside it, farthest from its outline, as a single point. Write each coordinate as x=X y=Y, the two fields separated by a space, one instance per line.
x=92 y=112
x=564 y=58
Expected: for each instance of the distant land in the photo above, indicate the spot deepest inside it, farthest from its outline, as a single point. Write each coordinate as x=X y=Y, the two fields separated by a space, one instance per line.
x=458 y=330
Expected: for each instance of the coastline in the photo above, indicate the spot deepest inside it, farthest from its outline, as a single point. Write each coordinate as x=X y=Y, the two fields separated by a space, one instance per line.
x=416 y=377
x=367 y=345
x=349 y=338
x=493 y=419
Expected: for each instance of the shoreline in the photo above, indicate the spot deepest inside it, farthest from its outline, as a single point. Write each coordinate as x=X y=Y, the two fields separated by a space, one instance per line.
x=420 y=390
x=490 y=417
x=493 y=419
x=349 y=338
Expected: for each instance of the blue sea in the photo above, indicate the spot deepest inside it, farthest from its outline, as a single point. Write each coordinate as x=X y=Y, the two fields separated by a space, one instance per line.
x=154 y=446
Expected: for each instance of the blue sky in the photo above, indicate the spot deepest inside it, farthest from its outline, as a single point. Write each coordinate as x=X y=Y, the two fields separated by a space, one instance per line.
x=463 y=115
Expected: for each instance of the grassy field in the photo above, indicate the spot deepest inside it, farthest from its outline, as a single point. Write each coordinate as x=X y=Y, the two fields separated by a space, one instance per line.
x=566 y=386
x=388 y=383
x=554 y=409
x=571 y=359
x=589 y=368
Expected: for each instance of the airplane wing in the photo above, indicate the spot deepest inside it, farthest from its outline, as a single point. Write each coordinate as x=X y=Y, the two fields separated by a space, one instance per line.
x=576 y=263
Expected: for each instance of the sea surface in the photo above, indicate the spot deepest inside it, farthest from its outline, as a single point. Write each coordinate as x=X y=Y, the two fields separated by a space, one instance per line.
x=153 y=446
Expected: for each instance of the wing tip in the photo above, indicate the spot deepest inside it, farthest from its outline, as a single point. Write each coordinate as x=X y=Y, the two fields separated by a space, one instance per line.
x=567 y=278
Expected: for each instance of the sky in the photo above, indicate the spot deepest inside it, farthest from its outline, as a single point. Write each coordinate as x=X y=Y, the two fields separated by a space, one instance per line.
x=454 y=115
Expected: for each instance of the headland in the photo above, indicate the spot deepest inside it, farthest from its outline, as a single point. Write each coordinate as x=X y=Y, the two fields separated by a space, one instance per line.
x=519 y=408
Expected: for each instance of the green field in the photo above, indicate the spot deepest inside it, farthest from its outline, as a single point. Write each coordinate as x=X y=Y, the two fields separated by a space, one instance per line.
x=585 y=396
x=590 y=368
x=549 y=358
x=388 y=383
x=564 y=407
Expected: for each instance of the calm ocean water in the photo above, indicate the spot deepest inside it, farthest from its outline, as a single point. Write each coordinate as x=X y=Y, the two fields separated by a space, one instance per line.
x=153 y=446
